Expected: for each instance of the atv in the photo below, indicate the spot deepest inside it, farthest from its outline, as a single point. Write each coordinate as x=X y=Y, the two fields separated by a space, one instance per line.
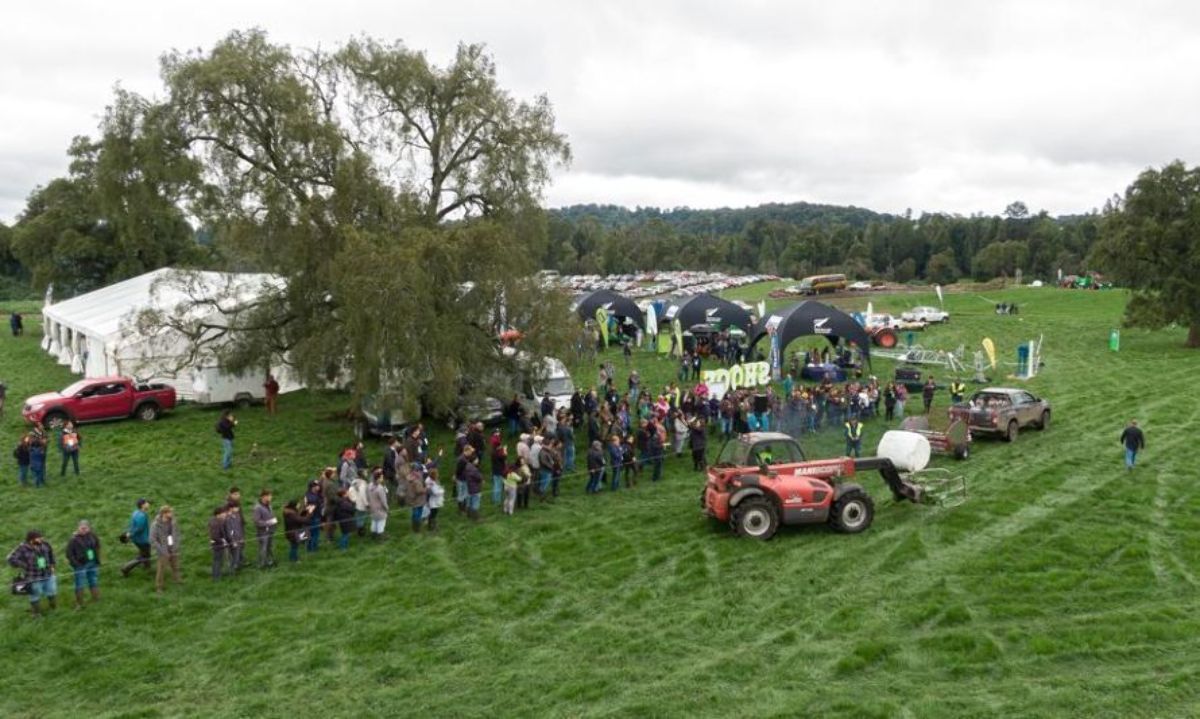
x=762 y=480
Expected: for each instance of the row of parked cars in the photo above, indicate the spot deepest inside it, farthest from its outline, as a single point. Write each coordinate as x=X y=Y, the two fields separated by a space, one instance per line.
x=652 y=284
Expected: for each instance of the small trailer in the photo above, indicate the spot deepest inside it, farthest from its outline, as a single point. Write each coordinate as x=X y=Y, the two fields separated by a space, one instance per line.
x=954 y=440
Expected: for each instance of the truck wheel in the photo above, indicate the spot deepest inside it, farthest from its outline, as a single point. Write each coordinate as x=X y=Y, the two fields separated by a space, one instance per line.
x=885 y=338
x=54 y=420
x=147 y=412
x=1045 y=420
x=756 y=518
x=1011 y=434
x=852 y=513
x=242 y=401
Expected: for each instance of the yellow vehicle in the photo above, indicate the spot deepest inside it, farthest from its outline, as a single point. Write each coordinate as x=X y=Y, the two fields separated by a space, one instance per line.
x=817 y=284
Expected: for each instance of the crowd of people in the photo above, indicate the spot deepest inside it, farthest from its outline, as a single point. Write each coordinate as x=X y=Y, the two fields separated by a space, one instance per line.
x=624 y=429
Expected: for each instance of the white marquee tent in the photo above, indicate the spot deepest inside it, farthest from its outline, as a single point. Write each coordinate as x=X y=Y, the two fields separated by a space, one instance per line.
x=96 y=333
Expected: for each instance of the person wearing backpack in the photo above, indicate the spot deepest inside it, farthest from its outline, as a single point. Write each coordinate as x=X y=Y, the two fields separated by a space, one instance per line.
x=224 y=428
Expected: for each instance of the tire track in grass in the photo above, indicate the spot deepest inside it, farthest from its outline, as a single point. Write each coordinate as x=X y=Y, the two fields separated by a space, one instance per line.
x=1161 y=551
x=1077 y=487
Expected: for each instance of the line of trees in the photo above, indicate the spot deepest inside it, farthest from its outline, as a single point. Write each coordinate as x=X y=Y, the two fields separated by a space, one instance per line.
x=801 y=239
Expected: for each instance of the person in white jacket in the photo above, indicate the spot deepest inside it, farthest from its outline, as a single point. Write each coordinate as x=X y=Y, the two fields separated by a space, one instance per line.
x=358 y=495
x=435 y=498
x=377 y=505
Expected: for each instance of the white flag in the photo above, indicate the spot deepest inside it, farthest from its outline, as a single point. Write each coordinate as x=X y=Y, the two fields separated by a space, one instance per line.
x=941 y=300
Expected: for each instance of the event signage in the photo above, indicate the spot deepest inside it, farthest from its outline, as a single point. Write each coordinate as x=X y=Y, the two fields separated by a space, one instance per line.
x=750 y=374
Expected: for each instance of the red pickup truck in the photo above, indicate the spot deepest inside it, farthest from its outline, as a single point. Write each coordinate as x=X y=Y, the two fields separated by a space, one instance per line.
x=100 y=398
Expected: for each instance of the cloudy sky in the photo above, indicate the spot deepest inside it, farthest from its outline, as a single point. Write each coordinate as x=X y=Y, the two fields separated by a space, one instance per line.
x=951 y=106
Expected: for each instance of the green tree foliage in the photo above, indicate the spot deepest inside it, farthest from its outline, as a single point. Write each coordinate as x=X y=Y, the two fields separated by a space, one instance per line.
x=116 y=214
x=999 y=259
x=396 y=199
x=942 y=268
x=1150 y=241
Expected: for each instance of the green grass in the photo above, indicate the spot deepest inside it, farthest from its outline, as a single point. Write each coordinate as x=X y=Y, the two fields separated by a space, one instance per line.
x=1063 y=587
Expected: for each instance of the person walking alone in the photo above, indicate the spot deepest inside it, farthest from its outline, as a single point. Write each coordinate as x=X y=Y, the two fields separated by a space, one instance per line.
x=164 y=537
x=927 y=393
x=138 y=533
x=83 y=554
x=1134 y=440
x=271 y=394
x=224 y=428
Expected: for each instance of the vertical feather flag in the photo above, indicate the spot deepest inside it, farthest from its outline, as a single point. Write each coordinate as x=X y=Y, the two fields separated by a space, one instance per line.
x=602 y=320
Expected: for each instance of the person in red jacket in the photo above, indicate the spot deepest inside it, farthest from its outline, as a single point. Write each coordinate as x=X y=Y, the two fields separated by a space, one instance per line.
x=271 y=393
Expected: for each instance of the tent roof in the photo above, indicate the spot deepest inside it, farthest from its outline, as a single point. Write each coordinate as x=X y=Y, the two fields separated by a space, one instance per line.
x=103 y=312
x=813 y=318
x=709 y=309
x=616 y=304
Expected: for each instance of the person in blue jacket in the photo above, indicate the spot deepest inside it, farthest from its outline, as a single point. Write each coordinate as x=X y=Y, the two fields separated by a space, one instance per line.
x=138 y=533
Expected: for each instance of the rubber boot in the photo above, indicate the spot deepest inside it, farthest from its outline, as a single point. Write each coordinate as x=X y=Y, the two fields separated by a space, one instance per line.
x=416 y=525
x=35 y=609
x=79 y=599
x=95 y=594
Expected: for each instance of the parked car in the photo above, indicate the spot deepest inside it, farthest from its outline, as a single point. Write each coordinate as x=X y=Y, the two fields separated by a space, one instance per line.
x=926 y=314
x=100 y=398
x=859 y=286
x=1002 y=411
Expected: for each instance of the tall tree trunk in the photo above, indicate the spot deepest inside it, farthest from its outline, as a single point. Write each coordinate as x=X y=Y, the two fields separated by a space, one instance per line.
x=1193 y=339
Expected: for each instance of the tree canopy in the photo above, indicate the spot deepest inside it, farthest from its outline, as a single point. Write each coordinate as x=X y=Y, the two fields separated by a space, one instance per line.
x=1150 y=241
x=392 y=195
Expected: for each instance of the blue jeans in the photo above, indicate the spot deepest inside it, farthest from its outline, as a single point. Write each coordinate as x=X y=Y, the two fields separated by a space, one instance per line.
x=314 y=534
x=226 y=453
x=47 y=587
x=344 y=541
x=39 y=473
x=512 y=425
x=854 y=448
x=473 y=502
x=615 y=481
x=569 y=458
x=543 y=480
x=72 y=457
x=657 y=461
x=86 y=576
x=1130 y=457
x=460 y=491
x=595 y=479
x=497 y=488
x=293 y=551
x=23 y=474
x=764 y=421
x=418 y=513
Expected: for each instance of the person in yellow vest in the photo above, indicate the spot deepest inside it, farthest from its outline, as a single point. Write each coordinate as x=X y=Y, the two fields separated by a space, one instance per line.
x=957 y=391
x=853 y=437
x=69 y=442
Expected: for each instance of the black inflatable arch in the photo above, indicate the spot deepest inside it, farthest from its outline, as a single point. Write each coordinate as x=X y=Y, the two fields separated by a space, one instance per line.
x=707 y=309
x=616 y=304
x=813 y=318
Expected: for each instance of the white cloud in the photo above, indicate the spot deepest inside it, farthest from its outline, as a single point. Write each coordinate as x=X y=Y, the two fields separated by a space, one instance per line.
x=958 y=107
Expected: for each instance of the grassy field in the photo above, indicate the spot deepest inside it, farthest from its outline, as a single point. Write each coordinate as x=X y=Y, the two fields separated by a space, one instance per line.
x=1065 y=586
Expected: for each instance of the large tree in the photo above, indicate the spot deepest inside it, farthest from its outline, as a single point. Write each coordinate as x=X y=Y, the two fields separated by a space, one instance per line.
x=1150 y=242
x=395 y=199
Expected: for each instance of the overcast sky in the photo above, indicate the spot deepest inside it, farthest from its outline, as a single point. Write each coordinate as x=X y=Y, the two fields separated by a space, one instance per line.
x=952 y=106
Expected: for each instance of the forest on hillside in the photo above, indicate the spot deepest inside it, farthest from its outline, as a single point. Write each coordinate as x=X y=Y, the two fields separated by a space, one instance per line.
x=799 y=239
